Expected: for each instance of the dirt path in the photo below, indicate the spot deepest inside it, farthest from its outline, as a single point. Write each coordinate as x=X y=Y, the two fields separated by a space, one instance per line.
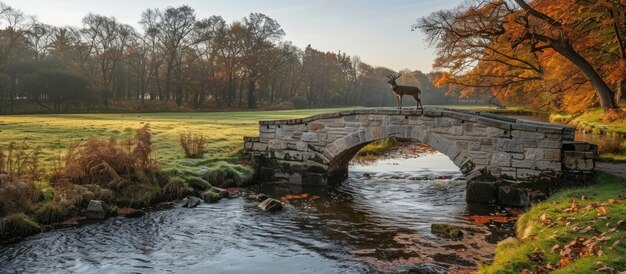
x=617 y=169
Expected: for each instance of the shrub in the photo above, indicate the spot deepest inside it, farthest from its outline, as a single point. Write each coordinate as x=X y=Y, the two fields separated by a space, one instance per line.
x=50 y=213
x=193 y=145
x=18 y=197
x=109 y=163
x=17 y=226
x=176 y=188
x=223 y=174
x=20 y=161
x=198 y=183
x=300 y=102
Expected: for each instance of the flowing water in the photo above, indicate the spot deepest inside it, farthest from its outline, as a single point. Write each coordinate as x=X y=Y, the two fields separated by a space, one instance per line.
x=374 y=222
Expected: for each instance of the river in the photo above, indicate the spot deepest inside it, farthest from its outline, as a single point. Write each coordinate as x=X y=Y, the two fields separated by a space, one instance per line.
x=374 y=222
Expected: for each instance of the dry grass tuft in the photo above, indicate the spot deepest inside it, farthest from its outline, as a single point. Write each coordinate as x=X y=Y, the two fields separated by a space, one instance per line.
x=193 y=144
x=20 y=161
x=109 y=163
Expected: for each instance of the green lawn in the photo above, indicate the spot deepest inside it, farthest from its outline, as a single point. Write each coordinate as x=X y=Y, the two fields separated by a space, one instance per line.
x=579 y=230
x=223 y=130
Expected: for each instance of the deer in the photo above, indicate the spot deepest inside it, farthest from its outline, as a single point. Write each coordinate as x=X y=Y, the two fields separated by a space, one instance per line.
x=400 y=91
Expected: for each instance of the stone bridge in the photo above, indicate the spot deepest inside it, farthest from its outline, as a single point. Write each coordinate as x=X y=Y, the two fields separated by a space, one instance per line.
x=317 y=149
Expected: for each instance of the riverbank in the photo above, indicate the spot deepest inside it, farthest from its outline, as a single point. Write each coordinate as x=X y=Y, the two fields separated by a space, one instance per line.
x=591 y=122
x=580 y=230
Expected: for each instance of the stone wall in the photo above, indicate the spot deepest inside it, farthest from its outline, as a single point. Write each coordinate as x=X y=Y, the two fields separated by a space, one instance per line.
x=316 y=150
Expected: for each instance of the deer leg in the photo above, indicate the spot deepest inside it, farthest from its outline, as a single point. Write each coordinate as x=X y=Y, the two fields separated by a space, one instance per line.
x=419 y=102
x=400 y=106
x=397 y=101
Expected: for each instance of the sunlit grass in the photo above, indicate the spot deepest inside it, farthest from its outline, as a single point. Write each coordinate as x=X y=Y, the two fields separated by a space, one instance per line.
x=223 y=130
x=550 y=223
x=592 y=121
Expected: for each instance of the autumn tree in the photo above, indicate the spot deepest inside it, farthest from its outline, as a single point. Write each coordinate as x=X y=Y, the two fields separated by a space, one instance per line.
x=507 y=46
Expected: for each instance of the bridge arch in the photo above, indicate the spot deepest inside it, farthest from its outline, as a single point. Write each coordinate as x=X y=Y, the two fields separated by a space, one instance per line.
x=317 y=149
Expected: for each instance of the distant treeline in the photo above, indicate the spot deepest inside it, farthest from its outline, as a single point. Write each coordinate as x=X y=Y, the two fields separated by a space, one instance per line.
x=180 y=61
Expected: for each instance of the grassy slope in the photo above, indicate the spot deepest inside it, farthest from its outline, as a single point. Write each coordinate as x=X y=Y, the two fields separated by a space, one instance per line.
x=544 y=234
x=224 y=130
x=591 y=121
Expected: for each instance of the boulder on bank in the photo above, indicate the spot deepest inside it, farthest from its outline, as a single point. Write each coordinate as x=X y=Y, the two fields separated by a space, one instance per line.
x=96 y=210
x=513 y=196
x=446 y=231
x=191 y=202
x=271 y=205
x=481 y=192
x=214 y=195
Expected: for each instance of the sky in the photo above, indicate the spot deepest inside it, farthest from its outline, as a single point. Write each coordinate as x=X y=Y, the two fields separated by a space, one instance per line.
x=378 y=31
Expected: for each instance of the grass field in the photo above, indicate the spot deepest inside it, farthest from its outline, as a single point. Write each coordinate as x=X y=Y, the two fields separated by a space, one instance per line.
x=223 y=130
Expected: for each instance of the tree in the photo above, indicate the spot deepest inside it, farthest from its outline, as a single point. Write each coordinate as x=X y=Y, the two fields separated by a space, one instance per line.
x=507 y=45
x=260 y=37
x=57 y=90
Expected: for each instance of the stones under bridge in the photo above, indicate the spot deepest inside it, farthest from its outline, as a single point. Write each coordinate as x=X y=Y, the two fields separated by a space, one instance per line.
x=486 y=147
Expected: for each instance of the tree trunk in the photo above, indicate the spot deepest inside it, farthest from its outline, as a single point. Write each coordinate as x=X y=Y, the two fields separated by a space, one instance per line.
x=607 y=100
x=251 y=93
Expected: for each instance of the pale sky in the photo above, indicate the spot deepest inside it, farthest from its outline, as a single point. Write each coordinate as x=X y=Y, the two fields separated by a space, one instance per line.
x=378 y=31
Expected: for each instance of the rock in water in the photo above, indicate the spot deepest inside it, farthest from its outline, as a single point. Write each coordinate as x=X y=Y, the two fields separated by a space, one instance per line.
x=262 y=197
x=95 y=210
x=222 y=192
x=271 y=205
x=258 y=197
x=191 y=202
x=211 y=196
x=446 y=231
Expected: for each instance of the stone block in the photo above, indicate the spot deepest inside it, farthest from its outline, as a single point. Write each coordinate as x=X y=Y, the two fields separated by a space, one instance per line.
x=510 y=145
x=501 y=159
x=336 y=124
x=267 y=135
x=553 y=154
x=548 y=165
x=302 y=146
x=534 y=154
x=316 y=126
x=550 y=144
x=527 y=134
x=525 y=173
x=309 y=137
x=522 y=164
x=481 y=192
x=276 y=144
x=473 y=146
x=267 y=128
x=259 y=146
x=498 y=132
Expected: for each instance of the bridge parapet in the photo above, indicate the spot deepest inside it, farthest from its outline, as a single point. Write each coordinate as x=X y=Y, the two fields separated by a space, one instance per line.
x=317 y=149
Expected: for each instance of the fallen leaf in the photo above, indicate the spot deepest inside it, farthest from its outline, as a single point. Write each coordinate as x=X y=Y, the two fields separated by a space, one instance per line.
x=602 y=211
x=564 y=261
x=555 y=247
x=613 y=202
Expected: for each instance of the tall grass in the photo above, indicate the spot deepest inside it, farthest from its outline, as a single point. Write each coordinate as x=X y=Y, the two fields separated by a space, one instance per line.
x=110 y=163
x=20 y=161
x=193 y=145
